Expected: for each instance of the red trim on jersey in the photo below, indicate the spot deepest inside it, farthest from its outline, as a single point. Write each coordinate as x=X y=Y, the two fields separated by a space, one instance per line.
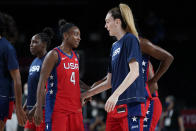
x=147 y=87
x=143 y=109
x=157 y=110
x=141 y=123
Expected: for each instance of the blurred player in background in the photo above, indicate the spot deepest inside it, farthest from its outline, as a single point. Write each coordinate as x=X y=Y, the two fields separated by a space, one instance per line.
x=9 y=75
x=126 y=105
x=153 y=104
x=38 y=48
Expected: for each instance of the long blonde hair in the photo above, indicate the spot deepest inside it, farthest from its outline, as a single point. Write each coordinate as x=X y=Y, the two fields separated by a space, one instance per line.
x=127 y=16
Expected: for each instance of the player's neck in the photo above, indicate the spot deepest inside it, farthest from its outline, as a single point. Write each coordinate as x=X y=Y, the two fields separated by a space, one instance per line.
x=65 y=48
x=42 y=54
x=120 y=34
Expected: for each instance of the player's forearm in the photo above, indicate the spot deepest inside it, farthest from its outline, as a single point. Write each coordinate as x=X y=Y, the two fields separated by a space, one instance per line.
x=129 y=79
x=40 y=93
x=15 y=74
x=97 y=89
x=84 y=86
x=163 y=67
x=18 y=92
x=99 y=82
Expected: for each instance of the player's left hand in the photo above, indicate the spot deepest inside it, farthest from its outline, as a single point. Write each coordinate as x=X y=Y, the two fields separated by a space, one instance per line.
x=111 y=103
x=38 y=116
x=31 y=114
x=152 y=86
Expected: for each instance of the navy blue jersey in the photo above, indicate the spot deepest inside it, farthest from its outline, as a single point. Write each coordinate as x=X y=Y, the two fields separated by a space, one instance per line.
x=145 y=71
x=145 y=66
x=8 y=61
x=122 y=52
x=33 y=79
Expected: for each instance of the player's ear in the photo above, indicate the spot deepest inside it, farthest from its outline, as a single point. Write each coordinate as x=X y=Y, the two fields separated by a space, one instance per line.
x=65 y=35
x=117 y=21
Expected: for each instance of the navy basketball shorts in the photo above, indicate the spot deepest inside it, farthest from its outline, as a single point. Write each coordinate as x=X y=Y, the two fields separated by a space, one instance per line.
x=6 y=108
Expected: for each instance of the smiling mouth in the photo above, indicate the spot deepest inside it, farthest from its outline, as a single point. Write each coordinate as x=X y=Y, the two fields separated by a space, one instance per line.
x=31 y=49
x=77 y=42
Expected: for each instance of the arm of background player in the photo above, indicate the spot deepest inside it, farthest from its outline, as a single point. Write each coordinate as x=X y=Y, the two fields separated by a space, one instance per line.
x=158 y=53
x=94 y=85
x=48 y=64
x=83 y=85
x=32 y=111
x=129 y=79
x=99 y=82
x=21 y=115
x=97 y=88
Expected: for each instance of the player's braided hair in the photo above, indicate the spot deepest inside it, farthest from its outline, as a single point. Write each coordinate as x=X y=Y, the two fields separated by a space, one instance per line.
x=46 y=35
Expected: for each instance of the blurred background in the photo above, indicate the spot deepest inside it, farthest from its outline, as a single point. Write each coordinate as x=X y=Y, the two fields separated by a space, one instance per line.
x=167 y=23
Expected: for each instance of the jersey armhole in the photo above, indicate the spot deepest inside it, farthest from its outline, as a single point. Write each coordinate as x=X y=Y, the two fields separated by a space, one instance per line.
x=76 y=54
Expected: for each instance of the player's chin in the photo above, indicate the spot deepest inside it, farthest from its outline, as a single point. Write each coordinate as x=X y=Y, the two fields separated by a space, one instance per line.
x=110 y=34
x=32 y=52
x=76 y=45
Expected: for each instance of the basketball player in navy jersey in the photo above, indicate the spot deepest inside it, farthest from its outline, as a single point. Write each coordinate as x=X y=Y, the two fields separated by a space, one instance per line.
x=9 y=72
x=148 y=49
x=153 y=107
x=38 y=48
x=60 y=70
x=125 y=107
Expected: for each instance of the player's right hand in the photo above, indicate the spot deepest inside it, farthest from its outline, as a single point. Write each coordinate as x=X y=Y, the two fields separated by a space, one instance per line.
x=152 y=86
x=85 y=100
x=21 y=116
x=82 y=100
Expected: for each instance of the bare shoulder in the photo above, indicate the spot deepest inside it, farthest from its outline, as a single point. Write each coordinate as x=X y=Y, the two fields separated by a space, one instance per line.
x=146 y=45
x=144 y=42
x=52 y=56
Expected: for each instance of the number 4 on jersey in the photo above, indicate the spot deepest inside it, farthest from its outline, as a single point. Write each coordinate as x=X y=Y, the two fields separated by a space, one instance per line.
x=72 y=79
